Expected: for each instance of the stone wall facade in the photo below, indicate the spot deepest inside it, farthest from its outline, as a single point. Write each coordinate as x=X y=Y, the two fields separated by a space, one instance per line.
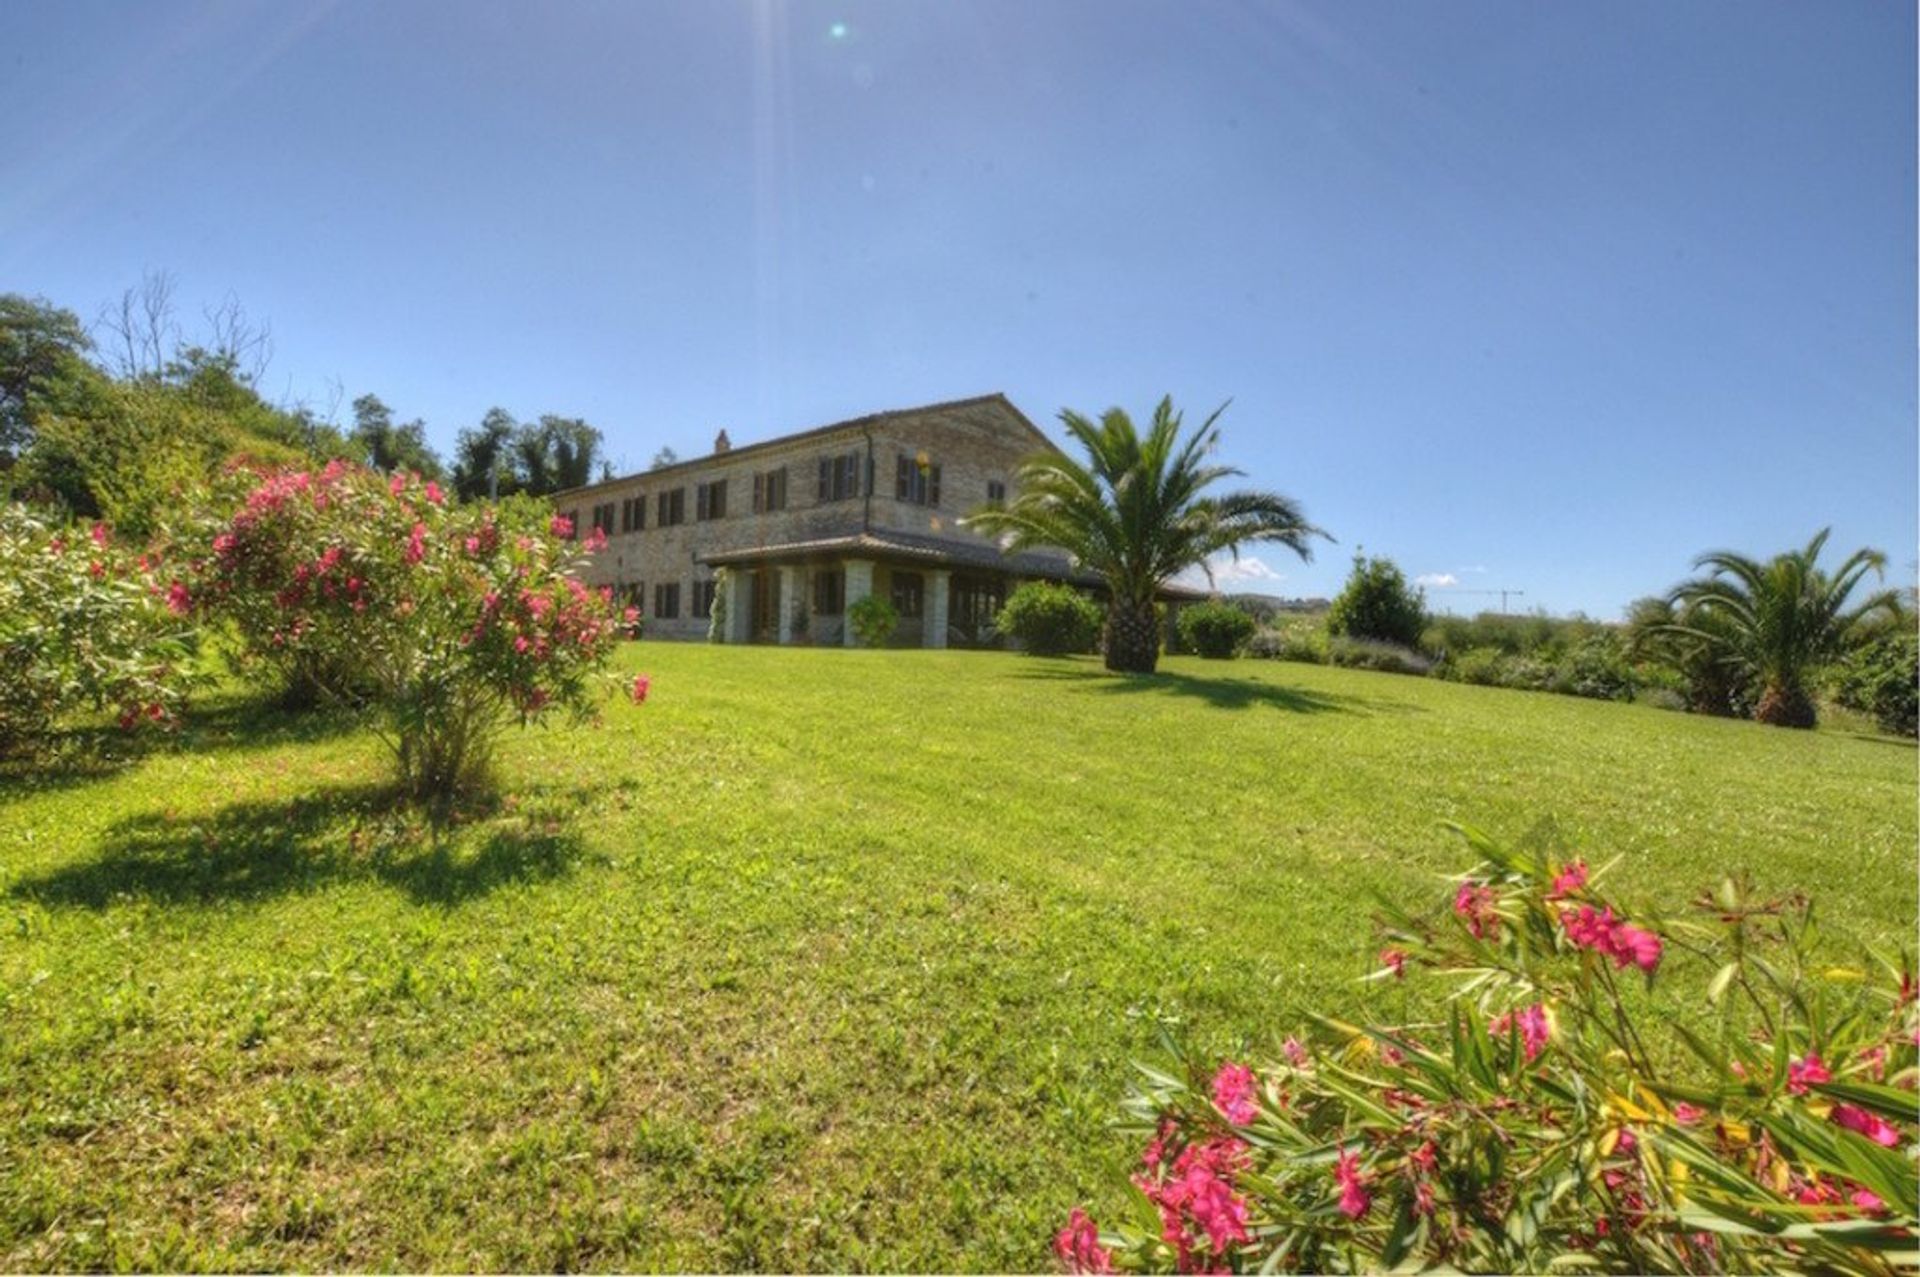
x=817 y=515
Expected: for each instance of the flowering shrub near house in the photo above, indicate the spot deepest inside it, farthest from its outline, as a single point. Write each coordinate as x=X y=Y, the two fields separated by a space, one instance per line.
x=85 y=625
x=451 y=621
x=1543 y=1123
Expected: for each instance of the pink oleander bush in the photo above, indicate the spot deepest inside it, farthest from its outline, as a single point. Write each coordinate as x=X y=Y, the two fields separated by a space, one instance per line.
x=447 y=622
x=86 y=624
x=1550 y=1117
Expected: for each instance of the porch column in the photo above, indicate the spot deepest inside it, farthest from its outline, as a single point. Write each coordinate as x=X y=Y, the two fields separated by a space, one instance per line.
x=934 y=633
x=739 y=588
x=789 y=599
x=859 y=573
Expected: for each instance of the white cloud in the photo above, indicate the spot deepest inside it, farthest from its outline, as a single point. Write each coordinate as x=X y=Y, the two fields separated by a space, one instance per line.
x=1436 y=580
x=1227 y=574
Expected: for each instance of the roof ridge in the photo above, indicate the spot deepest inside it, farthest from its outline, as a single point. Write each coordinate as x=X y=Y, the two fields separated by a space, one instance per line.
x=869 y=418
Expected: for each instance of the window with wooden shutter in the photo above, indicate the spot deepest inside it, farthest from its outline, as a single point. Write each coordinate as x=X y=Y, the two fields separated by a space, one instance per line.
x=916 y=480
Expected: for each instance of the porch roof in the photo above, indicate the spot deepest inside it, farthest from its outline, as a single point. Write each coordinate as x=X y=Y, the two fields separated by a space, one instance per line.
x=934 y=551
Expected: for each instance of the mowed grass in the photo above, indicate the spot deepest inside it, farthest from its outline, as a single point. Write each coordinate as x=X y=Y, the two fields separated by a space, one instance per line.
x=820 y=960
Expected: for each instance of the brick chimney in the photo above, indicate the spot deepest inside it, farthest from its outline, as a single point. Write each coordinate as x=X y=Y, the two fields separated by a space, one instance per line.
x=721 y=443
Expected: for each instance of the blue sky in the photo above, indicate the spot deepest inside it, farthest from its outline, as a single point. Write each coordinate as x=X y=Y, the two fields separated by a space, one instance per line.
x=1548 y=297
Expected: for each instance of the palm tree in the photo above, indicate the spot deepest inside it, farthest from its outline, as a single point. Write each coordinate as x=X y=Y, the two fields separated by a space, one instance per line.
x=1693 y=644
x=1135 y=514
x=1775 y=622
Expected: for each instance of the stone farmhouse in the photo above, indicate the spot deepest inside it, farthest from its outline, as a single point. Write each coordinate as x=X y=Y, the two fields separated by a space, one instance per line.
x=808 y=524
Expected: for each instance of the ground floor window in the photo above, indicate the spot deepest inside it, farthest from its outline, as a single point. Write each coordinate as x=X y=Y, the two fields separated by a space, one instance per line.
x=972 y=606
x=909 y=593
x=829 y=592
x=666 y=602
x=703 y=598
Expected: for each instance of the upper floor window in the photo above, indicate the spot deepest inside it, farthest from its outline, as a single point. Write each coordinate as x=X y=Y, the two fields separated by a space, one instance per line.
x=916 y=479
x=909 y=593
x=710 y=500
x=633 y=514
x=840 y=477
x=996 y=490
x=672 y=508
x=603 y=518
x=770 y=491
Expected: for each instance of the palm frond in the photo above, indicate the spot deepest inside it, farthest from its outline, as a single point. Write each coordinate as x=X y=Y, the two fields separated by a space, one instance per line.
x=1136 y=510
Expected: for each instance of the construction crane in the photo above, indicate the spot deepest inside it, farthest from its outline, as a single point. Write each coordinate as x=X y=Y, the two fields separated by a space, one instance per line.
x=1502 y=593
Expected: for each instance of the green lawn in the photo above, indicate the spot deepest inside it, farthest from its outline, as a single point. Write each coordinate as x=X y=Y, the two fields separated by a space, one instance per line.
x=821 y=959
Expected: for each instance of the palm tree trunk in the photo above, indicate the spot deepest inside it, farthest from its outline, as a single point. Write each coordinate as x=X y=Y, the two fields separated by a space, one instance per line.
x=1133 y=636
x=1785 y=705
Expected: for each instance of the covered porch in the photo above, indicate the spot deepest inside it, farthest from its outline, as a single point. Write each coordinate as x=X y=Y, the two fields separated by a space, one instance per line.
x=946 y=593
x=807 y=603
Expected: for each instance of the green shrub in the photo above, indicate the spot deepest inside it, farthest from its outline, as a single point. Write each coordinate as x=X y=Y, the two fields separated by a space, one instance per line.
x=1387 y=658
x=1214 y=629
x=873 y=620
x=1378 y=604
x=1280 y=645
x=1549 y=1118
x=1306 y=643
x=85 y=625
x=1515 y=635
x=1595 y=667
x=1049 y=619
x=1882 y=678
x=1480 y=666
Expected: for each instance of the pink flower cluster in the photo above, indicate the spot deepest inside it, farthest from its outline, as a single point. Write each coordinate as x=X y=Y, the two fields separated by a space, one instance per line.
x=1475 y=904
x=1600 y=931
x=1234 y=1093
x=1198 y=1191
x=1872 y=1125
x=1534 y=1029
x=1568 y=880
x=1078 y=1246
x=1355 y=1200
x=1805 y=1072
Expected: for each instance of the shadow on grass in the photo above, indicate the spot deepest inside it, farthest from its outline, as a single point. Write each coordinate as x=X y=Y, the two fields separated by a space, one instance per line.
x=255 y=851
x=1227 y=691
x=91 y=752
